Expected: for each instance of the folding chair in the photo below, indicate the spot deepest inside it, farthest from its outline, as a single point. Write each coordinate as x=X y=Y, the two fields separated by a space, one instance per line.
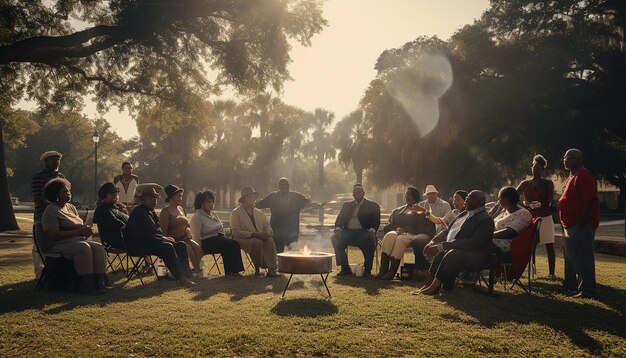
x=135 y=270
x=512 y=265
x=53 y=263
x=249 y=263
x=216 y=258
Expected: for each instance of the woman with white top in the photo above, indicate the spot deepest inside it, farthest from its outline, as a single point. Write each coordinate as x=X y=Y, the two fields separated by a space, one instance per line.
x=207 y=230
x=512 y=220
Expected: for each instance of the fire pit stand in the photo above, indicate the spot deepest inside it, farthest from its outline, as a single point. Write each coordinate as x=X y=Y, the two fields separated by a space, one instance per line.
x=324 y=278
x=315 y=263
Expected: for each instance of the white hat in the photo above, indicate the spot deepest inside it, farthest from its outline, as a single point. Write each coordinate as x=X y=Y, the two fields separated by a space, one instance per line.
x=430 y=189
x=49 y=154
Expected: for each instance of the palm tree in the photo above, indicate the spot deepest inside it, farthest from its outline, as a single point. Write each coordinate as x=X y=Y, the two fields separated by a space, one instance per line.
x=320 y=146
x=352 y=137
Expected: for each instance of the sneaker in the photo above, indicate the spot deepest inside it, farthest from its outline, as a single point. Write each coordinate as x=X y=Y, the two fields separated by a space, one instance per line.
x=272 y=274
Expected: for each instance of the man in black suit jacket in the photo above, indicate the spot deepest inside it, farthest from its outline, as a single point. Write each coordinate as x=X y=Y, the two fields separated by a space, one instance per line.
x=355 y=220
x=464 y=245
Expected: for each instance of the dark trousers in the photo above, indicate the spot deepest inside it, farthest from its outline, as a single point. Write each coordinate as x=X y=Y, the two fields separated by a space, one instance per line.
x=447 y=265
x=354 y=237
x=173 y=254
x=418 y=249
x=229 y=249
x=580 y=267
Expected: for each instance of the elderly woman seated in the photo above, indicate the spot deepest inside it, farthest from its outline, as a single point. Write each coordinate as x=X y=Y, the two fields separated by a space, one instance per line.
x=407 y=225
x=252 y=231
x=512 y=220
x=207 y=230
x=174 y=223
x=67 y=235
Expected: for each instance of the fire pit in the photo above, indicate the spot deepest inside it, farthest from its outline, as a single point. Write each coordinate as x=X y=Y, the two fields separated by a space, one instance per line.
x=306 y=263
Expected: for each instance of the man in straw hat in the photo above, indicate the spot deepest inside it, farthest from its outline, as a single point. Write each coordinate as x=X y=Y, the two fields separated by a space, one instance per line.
x=51 y=161
x=434 y=205
x=144 y=236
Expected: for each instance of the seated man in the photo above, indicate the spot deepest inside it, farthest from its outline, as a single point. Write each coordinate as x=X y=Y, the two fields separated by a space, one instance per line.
x=355 y=220
x=144 y=237
x=111 y=217
x=464 y=245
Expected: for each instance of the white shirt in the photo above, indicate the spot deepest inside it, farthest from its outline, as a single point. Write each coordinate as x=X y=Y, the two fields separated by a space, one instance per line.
x=354 y=222
x=127 y=196
x=203 y=225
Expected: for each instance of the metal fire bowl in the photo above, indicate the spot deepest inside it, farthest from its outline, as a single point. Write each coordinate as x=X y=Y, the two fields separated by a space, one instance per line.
x=315 y=263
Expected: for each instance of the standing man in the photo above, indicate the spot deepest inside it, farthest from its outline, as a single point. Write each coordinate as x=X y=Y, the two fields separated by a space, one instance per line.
x=434 y=205
x=356 y=220
x=285 y=207
x=580 y=215
x=51 y=161
x=127 y=183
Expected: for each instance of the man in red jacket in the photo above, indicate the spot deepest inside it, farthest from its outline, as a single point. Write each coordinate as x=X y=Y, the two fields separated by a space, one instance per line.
x=580 y=215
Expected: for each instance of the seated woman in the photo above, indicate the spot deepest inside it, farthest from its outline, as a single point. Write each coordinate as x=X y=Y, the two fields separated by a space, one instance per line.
x=406 y=225
x=111 y=217
x=207 y=230
x=252 y=231
x=67 y=235
x=174 y=224
x=459 y=205
x=143 y=236
x=511 y=221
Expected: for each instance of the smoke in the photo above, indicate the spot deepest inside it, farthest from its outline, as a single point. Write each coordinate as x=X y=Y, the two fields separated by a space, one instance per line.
x=418 y=87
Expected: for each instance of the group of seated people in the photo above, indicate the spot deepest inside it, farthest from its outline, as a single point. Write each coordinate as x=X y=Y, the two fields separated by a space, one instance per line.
x=445 y=243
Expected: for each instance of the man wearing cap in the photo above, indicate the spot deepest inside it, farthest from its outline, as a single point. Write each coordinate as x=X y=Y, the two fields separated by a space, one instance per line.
x=51 y=160
x=143 y=236
x=110 y=218
x=434 y=205
x=285 y=207
x=356 y=219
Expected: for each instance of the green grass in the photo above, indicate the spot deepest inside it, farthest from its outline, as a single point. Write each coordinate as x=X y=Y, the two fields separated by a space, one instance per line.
x=365 y=317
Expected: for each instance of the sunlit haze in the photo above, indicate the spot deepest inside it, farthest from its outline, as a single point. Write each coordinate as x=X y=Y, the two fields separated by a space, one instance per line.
x=335 y=70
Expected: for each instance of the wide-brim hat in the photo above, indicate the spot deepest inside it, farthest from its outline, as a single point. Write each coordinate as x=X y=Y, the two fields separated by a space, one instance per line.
x=148 y=189
x=430 y=189
x=172 y=190
x=50 y=154
x=247 y=191
x=107 y=188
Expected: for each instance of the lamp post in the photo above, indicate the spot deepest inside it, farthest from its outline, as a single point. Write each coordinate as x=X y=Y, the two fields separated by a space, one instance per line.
x=96 y=138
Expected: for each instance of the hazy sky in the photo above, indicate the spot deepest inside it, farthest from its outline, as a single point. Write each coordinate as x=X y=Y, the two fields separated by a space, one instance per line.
x=335 y=70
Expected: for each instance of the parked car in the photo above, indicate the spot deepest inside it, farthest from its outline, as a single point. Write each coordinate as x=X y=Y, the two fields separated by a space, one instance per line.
x=335 y=204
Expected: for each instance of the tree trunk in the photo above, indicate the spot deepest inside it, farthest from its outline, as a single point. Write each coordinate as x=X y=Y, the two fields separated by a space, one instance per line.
x=231 y=189
x=7 y=216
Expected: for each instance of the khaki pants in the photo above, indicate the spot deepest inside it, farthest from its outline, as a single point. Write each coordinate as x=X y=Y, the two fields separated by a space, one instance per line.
x=396 y=245
x=89 y=256
x=262 y=252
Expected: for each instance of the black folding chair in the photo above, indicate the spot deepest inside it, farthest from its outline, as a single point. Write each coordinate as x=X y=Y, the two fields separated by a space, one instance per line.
x=215 y=264
x=54 y=264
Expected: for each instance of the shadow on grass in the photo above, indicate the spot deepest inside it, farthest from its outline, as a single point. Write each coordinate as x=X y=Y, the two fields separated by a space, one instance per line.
x=304 y=307
x=22 y=296
x=572 y=317
x=238 y=288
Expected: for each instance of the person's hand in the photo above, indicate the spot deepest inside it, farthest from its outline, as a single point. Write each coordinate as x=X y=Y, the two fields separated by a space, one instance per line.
x=86 y=231
x=418 y=208
x=265 y=235
x=336 y=230
x=399 y=231
x=169 y=239
x=431 y=250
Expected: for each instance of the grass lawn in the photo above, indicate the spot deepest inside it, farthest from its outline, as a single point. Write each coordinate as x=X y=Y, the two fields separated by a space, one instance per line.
x=365 y=317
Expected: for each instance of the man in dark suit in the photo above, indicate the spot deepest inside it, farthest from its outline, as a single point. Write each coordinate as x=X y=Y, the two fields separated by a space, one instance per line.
x=464 y=245
x=355 y=221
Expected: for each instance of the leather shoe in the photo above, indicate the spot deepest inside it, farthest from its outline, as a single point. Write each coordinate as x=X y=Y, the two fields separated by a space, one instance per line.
x=582 y=295
x=344 y=272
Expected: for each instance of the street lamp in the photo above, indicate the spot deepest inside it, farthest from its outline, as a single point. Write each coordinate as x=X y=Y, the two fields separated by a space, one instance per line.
x=96 y=138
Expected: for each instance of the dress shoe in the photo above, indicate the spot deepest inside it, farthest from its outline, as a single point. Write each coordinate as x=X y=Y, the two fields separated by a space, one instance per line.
x=583 y=295
x=344 y=272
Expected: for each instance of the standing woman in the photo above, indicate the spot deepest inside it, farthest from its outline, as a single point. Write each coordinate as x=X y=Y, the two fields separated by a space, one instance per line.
x=537 y=196
x=208 y=231
x=67 y=235
x=174 y=224
x=252 y=231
